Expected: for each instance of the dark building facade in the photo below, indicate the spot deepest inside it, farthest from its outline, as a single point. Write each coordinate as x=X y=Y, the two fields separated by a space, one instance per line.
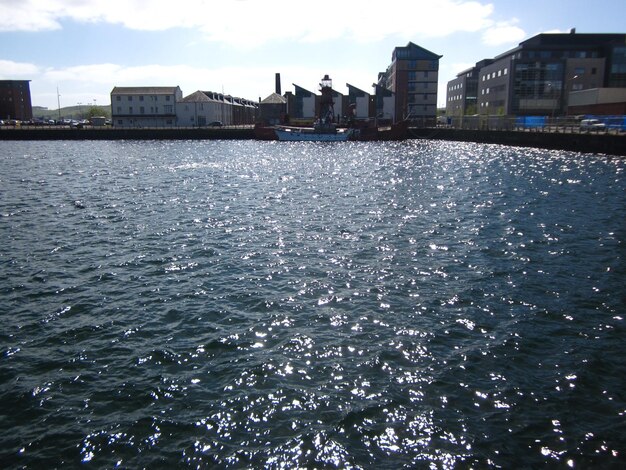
x=15 y=102
x=537 y=77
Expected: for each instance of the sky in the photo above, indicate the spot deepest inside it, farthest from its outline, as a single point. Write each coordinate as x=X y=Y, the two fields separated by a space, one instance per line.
x=75 y=51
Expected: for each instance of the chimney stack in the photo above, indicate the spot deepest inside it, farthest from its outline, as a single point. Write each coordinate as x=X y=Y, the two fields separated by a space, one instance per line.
x=278 y=92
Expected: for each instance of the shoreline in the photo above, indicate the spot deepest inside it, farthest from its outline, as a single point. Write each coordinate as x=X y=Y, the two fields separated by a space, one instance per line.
x=612 y=144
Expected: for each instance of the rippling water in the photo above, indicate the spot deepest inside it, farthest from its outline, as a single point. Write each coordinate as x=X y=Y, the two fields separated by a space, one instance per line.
x=246 y=304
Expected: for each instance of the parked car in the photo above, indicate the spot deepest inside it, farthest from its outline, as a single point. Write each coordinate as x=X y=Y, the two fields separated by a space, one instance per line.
x=592 y=125
x=216 y=124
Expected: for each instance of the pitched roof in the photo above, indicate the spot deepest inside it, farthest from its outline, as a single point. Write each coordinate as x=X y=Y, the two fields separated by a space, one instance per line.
x=145 y=90
x=197 y=97
x=416 y=52
x=274 y=98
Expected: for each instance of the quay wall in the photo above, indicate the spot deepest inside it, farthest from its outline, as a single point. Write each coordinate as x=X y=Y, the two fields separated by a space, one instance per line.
x=608 y=143
x=113 y=133
x=591 y=142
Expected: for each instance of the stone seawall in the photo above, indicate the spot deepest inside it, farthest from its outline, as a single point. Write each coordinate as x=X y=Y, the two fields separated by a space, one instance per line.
x=612 y=144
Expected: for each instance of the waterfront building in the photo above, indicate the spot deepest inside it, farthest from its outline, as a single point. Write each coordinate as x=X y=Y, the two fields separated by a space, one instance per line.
x=412 y=77
x=359 y=103
x=145 y=106
x=204 y=108
x=273 y=110
x=15 y=102
x=302 y=104
x=539 y=75
x=462 y=92
x=384 y=104
x=200 y=109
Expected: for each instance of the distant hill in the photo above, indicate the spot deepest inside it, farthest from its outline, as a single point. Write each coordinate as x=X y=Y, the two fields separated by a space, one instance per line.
x=72 y=112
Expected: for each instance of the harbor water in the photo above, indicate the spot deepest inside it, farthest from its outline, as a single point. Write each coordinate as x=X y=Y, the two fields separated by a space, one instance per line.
x=242 y=304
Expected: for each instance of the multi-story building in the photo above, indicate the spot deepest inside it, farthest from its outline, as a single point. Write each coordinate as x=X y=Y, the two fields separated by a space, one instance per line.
x=462 y=92
x=537 y=77
x=145 y=106
x=15 y=102
x=412 y=77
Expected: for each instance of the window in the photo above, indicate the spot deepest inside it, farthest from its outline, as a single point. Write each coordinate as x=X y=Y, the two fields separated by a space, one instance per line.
x=167 y=98
x=506 y=70
x=593 y=70
x=130 y=110
x=425 y=73
x=168 y=108
x=130 y=98
x=499 y=73
x=119 y=110
x=120 y=122
x=579 y=71
x=140 y=97
x=142 y=110
x=118 y=98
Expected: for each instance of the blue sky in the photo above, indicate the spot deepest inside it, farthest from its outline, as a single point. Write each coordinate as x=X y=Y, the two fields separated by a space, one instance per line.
x=86 y=47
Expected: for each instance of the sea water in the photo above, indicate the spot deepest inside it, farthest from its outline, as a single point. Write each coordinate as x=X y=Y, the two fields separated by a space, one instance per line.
x=247 y=304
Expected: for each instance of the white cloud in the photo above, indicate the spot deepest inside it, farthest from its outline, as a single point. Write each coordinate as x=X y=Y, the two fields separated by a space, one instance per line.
x=503 y=33
x=250 y=22
x=10 y=70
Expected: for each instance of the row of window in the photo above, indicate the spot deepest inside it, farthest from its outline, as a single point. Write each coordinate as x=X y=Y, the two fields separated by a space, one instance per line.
x=425 y=85
x=120 y=122
x=141 y=97
x=167 y=109
x=413 y=74
x=499 y=73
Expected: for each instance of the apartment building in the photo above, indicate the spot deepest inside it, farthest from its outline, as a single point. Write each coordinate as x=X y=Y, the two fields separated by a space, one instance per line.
x=15 y=102
x=145 y=106
x=412 y=77
x=538 y=76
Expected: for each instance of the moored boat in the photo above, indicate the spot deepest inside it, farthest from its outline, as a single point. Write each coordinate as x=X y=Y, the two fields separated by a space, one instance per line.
x=314 y=134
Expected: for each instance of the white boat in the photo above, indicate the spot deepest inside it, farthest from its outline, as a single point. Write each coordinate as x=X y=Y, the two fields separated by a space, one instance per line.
x=313 y=134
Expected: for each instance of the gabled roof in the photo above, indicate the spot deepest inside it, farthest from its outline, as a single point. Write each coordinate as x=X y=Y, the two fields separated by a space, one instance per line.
x=415 y=52
x=145 y=90
x=274 y=98
x=196 y=97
